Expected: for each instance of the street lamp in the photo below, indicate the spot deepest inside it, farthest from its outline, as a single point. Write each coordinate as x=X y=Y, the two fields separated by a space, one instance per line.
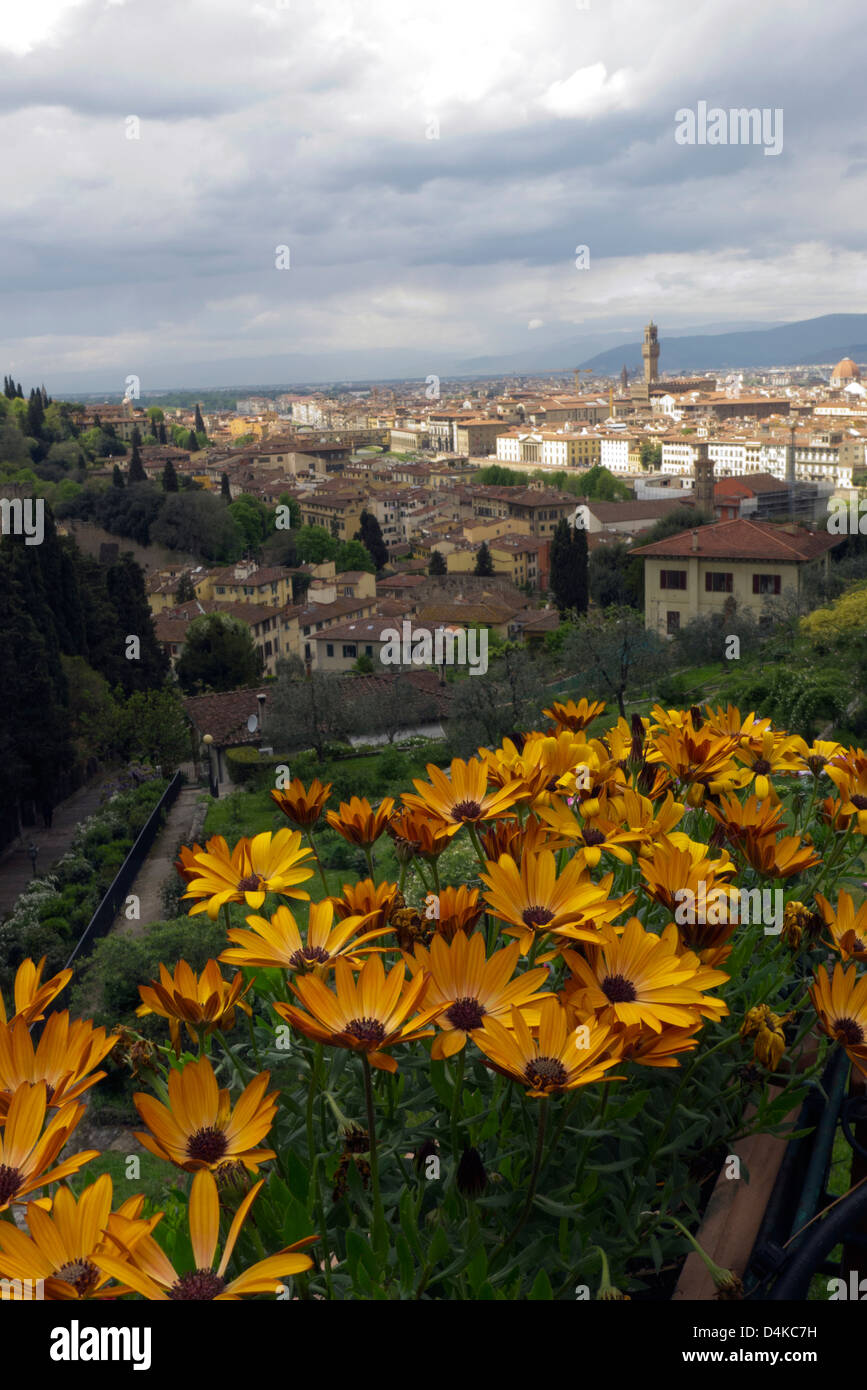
x=213 y=784
x=33 y=850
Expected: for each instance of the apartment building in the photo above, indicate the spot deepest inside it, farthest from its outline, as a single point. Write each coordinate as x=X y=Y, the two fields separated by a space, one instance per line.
x=246 y=582
x=337 y=509
x=549 y=448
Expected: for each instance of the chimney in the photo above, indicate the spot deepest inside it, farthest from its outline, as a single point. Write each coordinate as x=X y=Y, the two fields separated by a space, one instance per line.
x=695 y=540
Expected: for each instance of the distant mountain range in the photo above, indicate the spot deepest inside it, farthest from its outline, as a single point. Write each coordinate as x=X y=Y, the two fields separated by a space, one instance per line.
x=823 y=339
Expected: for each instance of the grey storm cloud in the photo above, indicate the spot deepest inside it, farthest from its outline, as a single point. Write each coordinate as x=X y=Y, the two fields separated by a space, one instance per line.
x=305 y=124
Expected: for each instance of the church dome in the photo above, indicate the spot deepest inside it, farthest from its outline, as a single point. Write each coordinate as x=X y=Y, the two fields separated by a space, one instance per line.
x=846 y=370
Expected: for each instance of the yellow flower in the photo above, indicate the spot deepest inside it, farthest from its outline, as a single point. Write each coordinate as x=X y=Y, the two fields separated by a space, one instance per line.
x=472 y=989
x=279 y=943
x=593 y=836
x=199 y=1128
x=462 y=797
x=775 y=754
x=459 y=911
x=676 y=865
x=266 y=864
x=576 y=717
x=536 y=901
x=26 y=1154
x=357 y=821
x=418 y=832
x=841 y=1007
x=202 y=1003
x=560 y=1059
x=146 y=1268
x=64 y=1243
x=64 y=1058
x=637 y=978
x=368 y=900
x=848 y=928
x=30 y=994
x=365 y=1015
x=302 y=806
x=848 y=772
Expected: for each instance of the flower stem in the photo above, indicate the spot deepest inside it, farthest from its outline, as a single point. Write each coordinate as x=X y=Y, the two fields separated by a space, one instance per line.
x=318 y=860
x=456 y=1103
x=380 y=1235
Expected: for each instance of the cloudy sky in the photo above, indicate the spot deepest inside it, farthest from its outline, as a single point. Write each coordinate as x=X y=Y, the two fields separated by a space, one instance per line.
x=431 y=168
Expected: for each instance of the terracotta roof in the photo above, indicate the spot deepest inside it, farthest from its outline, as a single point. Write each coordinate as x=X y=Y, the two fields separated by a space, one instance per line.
x=745 y=540
x=225 y=715
x=428 y=682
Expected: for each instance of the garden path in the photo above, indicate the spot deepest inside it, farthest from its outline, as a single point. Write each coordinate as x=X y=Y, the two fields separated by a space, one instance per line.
x=15 y=866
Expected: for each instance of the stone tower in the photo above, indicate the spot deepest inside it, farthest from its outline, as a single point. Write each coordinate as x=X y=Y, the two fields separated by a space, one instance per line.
x=650 y=353
x=703 y=488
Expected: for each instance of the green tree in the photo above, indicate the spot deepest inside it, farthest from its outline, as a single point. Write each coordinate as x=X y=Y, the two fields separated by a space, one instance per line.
x=199 y=424
x=136 y=471
x=219 y=654
x=314 y=545
x=650 y=454
x=170 y=477
x=225 y=489
x=153 y=728
x=198 y=522
x=615 y=654
x=117 y=476
x=305 y=711
x=615 y=577
x=352 y=555
x=185 y=592
x=484 y=564
x=370 y=535
x=192 y=443
x=155 y=415
x=437 y=563
x=252 y=520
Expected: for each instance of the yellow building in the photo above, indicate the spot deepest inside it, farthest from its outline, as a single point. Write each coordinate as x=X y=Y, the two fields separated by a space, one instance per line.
x=752 y=565
x=247 y=583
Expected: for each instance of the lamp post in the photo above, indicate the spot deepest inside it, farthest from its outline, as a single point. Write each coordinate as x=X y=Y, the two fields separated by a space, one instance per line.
x=33 y=850
x=213 y=783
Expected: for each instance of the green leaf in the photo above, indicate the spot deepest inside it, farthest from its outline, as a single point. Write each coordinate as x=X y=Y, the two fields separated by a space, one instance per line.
x=477 y=1269
x=541 y=1290
x=404 y=1258
x=439 y=1247
x=440 y=1083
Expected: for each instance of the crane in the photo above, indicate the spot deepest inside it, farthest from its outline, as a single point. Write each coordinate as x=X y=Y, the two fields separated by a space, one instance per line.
x=577 y=377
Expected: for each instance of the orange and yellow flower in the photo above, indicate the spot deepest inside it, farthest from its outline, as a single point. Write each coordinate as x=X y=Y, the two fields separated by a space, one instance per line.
x=575 y=717
x=27 y=1152
x=358 y=822
x=458 y=910
x=559 y=1059
x=366 y=1015
x=366 y=899
x=147 y=1269
x=31 y=995
x=848 y=928
x=841 y=1007
x=302 y=806
x=64 y=1058
x=265 y=864
x=199 y=1128
x=535 y=900
x=203 y=1003
x=64 y=1243
x=278 y=942
x=462 y=797
x=472 y=988
x=418 y=832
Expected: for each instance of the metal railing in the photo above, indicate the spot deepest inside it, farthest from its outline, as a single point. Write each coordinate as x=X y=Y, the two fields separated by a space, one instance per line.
x=106 y=911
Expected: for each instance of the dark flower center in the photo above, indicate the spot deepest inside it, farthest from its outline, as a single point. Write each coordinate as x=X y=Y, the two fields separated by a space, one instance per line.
x=849 y=1032
x=537 y=916
x=250 y=884
x=761 y=766
x=815 y=763
x=369 y=1030
x=594 y=837
x=200 y=1284
x=545 y=1072
x=208 y=1144
x=307 y=954
x=466 y=1013
x=618 y=989
x=859 y=802
x=10 y=1181
x=466 y=810
x=231 y=1175
x=81 y=1274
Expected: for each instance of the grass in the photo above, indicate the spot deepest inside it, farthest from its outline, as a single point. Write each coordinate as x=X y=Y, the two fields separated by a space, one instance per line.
x=155 y=1176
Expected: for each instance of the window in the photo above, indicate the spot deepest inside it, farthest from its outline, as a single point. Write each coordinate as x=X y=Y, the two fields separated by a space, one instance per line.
x=368 y=650
x=672 y=622
x=307 y=632
x=349 y=649
x=221 y=588
x=329 y=648
x=766 y=583
x=672 y=579
x=307 y=650
x=717 y=582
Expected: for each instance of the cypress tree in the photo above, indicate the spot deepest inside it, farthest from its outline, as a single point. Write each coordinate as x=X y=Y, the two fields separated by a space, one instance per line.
x=116 y=477
x=136 y=471
x=225 y=489
x=579 y=568
x=437 y=563
x=560 y=556
x=170 y=477
x=200 y=424
x=192 y=442
x=484 y=563
x=163 y=436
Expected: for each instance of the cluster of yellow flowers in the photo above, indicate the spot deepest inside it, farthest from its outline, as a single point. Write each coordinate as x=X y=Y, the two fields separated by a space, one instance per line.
x=546 y=968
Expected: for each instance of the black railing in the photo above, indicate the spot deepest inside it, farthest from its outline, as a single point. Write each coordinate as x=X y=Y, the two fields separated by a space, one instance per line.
x=100 y=923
